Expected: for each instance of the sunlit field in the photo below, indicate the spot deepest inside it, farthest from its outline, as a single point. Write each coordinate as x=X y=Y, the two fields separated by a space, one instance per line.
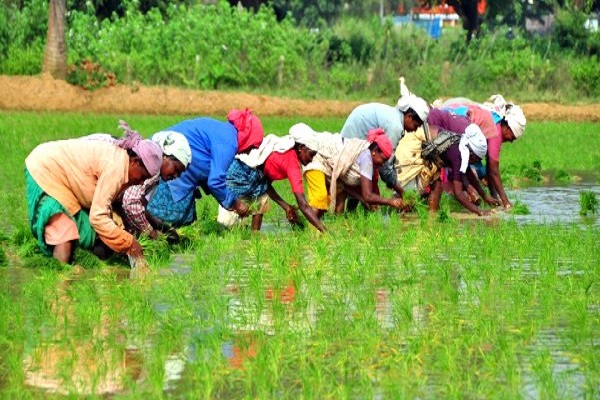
x=383 y=305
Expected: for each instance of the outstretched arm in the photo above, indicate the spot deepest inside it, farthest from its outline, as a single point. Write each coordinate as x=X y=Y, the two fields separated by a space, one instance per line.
x=474 y=181
x=494 y=179
x=290 y=211
x=366 y=188
x=308 y=212
x=462 y=198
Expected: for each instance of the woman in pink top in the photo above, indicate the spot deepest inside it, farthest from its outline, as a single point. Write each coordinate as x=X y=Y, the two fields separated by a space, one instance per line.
x=71 y=185
x=500 y=122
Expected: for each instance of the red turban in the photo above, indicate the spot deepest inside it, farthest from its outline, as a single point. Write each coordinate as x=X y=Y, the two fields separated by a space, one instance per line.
x=249 y=127
x=385 y=144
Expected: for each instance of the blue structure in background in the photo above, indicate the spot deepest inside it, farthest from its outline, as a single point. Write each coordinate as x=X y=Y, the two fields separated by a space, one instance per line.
x=432 y=25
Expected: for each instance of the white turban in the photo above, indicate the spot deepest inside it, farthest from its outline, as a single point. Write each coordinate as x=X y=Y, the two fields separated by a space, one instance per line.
x=304 y=134
x=409 y=100
x=516 y=120
x=472 y=139
x=174 y=144
x=512 y=113
x=271 y=143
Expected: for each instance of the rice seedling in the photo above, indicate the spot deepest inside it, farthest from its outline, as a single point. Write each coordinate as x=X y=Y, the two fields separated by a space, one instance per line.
x=588 y=201
x=563 y=176
x=519 y=208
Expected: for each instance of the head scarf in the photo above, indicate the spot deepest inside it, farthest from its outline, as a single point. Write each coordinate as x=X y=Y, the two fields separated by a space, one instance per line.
x=149 y=152
x=249 y=127
x=516 y=120
x=474 y=140
x=304 y=134
x=385 y=144
x=174 y=144
x=409 y=100
x=512 y=113
x=271 y=143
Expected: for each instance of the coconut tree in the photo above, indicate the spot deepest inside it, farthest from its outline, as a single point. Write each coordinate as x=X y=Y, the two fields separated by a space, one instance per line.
x=55 y=54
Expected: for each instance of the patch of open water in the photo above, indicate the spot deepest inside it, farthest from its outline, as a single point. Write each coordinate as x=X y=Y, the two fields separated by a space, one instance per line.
x=550 y=204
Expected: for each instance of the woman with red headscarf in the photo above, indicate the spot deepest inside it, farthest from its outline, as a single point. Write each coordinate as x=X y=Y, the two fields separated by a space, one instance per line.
x=214 y=145
x=348 y=166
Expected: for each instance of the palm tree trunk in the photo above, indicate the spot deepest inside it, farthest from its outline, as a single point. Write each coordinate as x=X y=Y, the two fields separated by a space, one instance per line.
x=55 y=54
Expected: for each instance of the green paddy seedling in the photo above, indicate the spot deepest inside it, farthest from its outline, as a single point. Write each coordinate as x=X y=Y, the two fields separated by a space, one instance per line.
x=588 y=201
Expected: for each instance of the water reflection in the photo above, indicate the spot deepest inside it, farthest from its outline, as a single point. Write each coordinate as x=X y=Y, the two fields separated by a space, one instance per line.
x=80 y=354
x=545 y=364
x=554 y=204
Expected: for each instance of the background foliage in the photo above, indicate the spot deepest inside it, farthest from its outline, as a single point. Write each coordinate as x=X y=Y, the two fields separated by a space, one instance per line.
x=337 y=55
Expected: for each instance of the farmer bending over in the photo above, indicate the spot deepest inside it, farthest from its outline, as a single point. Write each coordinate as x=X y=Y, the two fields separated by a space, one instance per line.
x=71 y=185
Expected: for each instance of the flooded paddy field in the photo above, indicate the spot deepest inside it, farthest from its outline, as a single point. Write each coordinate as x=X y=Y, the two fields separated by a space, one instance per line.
x=383 y=306
x=433 y=311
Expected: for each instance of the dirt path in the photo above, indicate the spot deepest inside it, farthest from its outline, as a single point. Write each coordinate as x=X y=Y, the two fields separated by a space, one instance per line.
x=42 y=93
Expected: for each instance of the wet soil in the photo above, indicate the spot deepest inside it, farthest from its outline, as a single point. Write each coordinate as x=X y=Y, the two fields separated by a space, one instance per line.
x=42 y=93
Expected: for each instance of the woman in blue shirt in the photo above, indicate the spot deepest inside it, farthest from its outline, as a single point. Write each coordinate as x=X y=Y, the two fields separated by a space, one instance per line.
x=214 y=145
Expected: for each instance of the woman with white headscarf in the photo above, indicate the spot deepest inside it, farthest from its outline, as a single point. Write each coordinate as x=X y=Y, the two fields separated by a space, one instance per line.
x=409 y=114
x=455 y=152
x=501 y=122
x=177 y=156
x=251 y=175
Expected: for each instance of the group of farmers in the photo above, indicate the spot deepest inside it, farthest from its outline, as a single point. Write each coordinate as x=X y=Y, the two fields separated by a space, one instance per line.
x=101 y=192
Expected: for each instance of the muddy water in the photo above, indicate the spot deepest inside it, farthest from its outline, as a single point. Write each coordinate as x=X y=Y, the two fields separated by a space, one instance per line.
x=560 y=204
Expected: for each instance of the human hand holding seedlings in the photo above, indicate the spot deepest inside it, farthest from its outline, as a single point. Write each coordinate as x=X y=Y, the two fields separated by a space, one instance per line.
x=291 y=213
x=492 y=201
x=136 y=250
x=241 y=208
x=397 y=203
x=408 y=207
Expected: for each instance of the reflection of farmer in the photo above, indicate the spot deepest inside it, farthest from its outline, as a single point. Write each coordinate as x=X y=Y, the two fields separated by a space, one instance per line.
x=71 y=185
x=69 y=360
x=214 y=145
x=252 y=175
x=408 y=115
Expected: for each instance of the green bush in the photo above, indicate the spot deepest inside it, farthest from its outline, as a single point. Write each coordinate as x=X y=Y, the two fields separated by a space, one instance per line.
x=569 y=30
x=586 y=75
x=593 y=44
x=23 y=60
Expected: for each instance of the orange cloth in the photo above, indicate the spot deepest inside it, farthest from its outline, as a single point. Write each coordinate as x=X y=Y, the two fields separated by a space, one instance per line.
x=249 y=127
x=84 y=174
x=60 y=229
